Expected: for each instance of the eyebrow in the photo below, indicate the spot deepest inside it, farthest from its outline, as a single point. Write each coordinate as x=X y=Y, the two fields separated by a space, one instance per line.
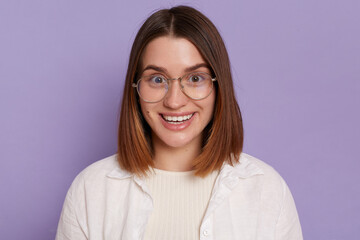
x=188 y=69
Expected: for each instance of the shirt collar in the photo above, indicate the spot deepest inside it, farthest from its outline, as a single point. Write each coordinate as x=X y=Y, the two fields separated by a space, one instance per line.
x=119 y=173
x=244 y=168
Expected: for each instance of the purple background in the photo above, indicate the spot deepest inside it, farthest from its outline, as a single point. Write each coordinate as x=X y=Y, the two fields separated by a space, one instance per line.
x=296 y=67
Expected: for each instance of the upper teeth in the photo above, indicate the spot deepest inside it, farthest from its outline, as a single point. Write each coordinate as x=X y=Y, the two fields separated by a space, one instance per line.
x=177 y=118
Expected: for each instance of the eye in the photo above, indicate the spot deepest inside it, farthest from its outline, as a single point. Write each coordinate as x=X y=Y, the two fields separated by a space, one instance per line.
x=157 y=79
x=197 y=78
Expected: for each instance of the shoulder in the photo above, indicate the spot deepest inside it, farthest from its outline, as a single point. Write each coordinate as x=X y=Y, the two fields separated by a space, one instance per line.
x=99 y=168
x=274 y=200
x=265 y=167
x=93 y=176
x=260 y=165
x=271 y=180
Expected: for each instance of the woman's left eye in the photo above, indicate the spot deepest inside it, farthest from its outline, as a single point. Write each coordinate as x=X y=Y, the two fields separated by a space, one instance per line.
x=196 y=78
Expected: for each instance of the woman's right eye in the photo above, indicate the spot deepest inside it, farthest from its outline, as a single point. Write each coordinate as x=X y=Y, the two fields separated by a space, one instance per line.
x=157 y=79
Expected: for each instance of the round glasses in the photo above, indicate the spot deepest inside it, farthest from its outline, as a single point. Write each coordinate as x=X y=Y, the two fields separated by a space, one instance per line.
x=153 y=88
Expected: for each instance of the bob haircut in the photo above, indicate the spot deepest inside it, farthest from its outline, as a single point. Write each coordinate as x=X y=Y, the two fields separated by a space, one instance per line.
x=223 y=137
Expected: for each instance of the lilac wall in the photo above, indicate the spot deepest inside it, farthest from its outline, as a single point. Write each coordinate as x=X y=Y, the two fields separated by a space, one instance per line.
x=296 y=67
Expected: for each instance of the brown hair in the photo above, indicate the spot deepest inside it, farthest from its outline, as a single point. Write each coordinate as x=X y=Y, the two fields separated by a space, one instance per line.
x=223 y=137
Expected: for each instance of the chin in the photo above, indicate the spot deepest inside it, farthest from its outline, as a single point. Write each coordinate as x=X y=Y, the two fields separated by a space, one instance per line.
x=178 y=141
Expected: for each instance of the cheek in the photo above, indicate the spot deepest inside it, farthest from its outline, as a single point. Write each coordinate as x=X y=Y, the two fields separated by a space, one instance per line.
x=146 y=112
x=143 y=108
x=211 y=105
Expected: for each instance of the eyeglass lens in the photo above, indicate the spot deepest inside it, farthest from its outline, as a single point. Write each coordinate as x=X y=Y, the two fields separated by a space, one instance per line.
x=153 y=88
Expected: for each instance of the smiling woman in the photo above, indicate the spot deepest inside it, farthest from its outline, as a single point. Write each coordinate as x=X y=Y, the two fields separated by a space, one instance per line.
x=170 y=44
x=179 y=172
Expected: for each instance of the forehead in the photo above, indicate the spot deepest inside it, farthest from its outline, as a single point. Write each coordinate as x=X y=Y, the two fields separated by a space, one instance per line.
x=171 y=53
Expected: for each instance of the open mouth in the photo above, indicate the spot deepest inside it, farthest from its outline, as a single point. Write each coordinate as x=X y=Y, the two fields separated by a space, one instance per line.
x=177 y=119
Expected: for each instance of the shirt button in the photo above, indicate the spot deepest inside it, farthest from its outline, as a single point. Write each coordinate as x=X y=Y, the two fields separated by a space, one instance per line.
x=206 y=232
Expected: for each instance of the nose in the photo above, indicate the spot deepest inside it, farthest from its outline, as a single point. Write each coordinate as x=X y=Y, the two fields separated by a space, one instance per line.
x=175 y=98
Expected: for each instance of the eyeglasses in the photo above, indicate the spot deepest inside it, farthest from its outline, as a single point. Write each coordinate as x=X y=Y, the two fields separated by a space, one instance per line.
x=153 y=88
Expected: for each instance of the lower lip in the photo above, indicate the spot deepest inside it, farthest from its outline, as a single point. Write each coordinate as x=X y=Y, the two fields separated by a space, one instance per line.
x=176 y=127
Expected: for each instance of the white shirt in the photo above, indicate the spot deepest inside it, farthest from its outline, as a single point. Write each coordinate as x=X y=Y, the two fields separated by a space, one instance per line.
x=249 y=201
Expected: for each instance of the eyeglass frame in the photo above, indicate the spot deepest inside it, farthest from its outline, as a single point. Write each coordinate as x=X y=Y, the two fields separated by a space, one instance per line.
x=135 y=85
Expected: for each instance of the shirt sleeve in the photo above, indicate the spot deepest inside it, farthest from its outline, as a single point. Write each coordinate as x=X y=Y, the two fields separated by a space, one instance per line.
x=288 y=224
x=69 y=227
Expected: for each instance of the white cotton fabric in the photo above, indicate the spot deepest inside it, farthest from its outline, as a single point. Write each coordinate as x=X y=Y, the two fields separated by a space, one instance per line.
x=180 y=200
x=249 y=201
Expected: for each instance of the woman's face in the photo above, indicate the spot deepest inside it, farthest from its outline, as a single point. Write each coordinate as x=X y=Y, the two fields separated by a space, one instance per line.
x=173 y=58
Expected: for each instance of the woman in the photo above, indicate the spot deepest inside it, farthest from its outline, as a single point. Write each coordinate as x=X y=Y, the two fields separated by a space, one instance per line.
x=179 y=172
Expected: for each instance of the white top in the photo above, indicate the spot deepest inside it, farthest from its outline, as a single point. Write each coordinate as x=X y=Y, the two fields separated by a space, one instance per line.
x=249 y=201
x=180 y=201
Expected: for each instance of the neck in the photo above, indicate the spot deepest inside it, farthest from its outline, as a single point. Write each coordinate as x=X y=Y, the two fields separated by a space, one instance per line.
x=178 y=159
